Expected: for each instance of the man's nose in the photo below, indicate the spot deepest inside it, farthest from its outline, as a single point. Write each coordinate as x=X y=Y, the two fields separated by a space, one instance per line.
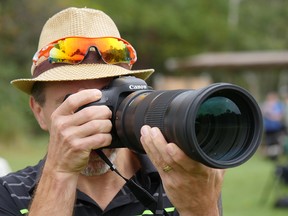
x=93 y=56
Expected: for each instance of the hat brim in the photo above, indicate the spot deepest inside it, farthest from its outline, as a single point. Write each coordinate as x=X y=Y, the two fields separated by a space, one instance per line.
x=79 y=72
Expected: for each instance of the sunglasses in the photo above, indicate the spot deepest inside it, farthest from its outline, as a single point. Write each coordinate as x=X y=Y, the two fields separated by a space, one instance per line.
x=72 y=50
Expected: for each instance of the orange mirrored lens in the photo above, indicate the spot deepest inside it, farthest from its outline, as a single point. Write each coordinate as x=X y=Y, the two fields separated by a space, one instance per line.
x=74 y=49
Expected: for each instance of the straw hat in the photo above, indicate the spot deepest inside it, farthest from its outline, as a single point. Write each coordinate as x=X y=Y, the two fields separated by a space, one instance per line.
x=84 y=22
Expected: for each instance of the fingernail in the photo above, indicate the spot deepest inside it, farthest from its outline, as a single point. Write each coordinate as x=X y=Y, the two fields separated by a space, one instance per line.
x=144 y=130
x=170 y=149
x=154 y=132
x=98 y=92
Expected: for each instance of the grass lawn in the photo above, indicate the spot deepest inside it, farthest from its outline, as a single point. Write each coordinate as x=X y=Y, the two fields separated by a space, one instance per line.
x=244 y=193
x=23 y=154
x=248 y=190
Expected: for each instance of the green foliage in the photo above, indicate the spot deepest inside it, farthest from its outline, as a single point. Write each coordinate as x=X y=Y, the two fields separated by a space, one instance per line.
x=263 y=24
x=14 y=114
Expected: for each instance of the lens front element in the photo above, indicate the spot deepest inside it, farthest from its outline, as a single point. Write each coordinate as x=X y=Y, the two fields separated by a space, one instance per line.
x=221 y=128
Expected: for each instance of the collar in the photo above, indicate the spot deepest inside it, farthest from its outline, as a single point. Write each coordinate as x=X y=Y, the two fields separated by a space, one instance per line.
x=147 y=169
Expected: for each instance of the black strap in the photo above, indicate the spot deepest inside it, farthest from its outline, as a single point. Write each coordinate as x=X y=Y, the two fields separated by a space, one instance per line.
x=139 y=192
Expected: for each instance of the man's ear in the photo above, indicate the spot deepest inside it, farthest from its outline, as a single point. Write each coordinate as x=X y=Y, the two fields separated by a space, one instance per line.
x=37 y=109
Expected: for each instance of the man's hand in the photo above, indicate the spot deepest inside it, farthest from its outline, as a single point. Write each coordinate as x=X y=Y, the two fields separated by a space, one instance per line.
x=193 y=188
x=72 y=137
x=74 y=134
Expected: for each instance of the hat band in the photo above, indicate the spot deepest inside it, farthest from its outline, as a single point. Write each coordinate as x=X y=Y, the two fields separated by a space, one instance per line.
x=91 y=58
x=44 y=66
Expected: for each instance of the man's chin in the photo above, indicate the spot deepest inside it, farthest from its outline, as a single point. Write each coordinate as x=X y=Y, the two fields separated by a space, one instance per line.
x=96 y=166
x=91 y=171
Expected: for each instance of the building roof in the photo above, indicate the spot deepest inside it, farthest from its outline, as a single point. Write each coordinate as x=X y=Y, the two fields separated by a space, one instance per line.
x=231 y=60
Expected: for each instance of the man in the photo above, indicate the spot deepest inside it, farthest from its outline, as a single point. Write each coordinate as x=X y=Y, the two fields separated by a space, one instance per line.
x=72 y=59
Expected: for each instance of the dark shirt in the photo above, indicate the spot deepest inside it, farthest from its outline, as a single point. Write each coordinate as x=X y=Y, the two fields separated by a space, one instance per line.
x=16 y=192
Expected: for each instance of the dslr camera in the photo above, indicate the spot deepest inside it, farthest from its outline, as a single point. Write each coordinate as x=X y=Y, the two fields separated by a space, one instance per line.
x=219 y=125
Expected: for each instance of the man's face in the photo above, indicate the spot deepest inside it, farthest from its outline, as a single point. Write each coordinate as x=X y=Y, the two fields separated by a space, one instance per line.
x=55 y=93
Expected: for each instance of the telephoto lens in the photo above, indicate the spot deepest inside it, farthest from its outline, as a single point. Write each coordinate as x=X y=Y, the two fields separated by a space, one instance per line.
x=219 y=126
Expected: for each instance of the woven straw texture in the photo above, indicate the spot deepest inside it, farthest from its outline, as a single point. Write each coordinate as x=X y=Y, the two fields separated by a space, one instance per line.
x=79 y=72
x=85 y=22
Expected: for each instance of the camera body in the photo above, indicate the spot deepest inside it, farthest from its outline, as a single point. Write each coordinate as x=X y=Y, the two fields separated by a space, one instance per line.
x=112 y=96
x=219 y=125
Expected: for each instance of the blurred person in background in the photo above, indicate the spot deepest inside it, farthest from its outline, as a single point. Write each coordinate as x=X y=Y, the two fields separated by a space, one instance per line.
x=4 y=167
x=273 y=111
x=72 y=179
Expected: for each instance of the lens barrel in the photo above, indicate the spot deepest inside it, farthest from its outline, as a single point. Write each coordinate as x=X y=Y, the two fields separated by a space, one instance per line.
x=219 y=125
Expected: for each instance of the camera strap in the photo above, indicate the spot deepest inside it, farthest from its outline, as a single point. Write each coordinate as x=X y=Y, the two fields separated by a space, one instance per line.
x=139 y=192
